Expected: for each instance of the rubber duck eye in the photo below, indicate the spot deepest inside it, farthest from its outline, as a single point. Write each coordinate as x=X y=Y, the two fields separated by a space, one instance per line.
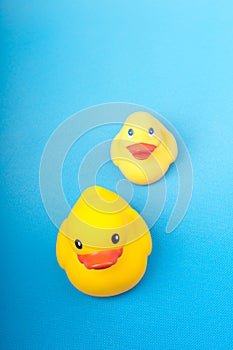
x=78 y=244
x=130 y=132
x=115 y=238
x=151 y=131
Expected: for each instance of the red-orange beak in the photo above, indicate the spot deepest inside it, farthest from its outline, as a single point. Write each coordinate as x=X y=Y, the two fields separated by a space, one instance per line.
x=100 y=260
x=141 y=150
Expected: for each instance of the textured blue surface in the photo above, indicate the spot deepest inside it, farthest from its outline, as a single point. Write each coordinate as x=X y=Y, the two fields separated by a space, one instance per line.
x=172 y=56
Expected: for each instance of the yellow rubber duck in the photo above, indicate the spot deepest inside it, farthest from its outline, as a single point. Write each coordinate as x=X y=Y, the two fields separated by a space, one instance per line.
x=104 y=244
x=143 y=149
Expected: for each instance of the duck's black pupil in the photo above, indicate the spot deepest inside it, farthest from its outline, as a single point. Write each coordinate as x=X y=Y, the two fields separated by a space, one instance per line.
x=78 y=244
x=115 y=238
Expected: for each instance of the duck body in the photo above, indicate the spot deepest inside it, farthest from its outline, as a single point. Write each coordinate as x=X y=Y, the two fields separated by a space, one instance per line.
x=143 y=149
x=104 y=244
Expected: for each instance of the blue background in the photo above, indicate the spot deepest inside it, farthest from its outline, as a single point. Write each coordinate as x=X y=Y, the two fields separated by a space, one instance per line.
x=172 y=56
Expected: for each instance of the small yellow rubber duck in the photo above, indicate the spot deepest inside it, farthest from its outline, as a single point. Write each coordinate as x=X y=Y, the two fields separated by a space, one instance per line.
x=104 y=244
x=143 y=149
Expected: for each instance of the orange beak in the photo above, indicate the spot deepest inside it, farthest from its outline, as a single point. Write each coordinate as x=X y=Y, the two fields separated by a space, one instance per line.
x=100 y=260
x=141 y=150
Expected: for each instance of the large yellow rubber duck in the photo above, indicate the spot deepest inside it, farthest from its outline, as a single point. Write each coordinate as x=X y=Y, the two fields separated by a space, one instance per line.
x=103 y=245
x=143 y=149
